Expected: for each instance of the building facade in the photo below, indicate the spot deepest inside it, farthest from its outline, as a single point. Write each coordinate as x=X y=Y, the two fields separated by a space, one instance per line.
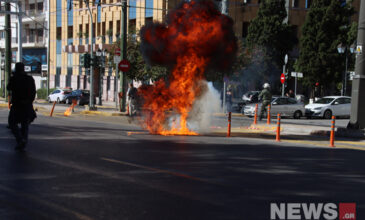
x=71 y=36
x=33 y=23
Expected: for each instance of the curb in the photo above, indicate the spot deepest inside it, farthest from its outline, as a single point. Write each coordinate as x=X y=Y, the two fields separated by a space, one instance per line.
x=107 y=114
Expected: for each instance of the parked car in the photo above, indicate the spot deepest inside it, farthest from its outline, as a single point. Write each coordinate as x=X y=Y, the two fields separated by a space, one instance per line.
x=251 y=97
x=326 y=107
x=59 y=95
x=287 y=107
x=82 y=97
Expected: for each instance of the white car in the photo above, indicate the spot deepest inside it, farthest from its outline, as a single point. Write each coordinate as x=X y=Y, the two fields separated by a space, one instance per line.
x=329 y=106
x=287 y=107
x=59 y=95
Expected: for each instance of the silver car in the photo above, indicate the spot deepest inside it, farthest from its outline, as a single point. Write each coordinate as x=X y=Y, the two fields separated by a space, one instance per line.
x=287 y=107
x=326 y=107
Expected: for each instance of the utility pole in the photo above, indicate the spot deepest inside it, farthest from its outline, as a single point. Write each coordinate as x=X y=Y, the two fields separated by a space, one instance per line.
x=20 y=29
x=357 y=118
x=91 y=102
x=123 y=46
x=7 y=47
x=49 y=45
x=224 y=11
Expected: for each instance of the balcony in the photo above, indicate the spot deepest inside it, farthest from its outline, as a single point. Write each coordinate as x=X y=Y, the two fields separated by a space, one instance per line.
x=34 y=41
x=34 y=15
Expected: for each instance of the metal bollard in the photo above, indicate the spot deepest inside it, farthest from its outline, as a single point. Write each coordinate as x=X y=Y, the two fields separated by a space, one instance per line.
x=54 y=104
x=332 y=136
x=229 y=124
x=255 y=119
x=268 y=114
x=278 y=128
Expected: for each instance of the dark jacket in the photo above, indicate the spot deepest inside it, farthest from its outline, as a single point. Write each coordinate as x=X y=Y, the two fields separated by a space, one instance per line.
x=23 y=91
x=265 y=95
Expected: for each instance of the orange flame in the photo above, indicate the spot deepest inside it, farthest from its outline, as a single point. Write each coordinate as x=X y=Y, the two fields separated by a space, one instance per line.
x=196 y=37
x=69 y=110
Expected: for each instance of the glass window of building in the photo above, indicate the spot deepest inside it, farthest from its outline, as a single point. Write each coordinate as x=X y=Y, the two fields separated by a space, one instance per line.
x=132 y=9
x=149 y=8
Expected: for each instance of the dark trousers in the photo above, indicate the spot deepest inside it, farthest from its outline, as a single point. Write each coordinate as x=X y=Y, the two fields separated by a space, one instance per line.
x=263 y=108
x=20 y=134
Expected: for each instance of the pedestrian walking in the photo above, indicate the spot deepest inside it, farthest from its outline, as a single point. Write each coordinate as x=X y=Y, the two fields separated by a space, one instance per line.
x=132 y=99
x=265 y=96
x=23 y=91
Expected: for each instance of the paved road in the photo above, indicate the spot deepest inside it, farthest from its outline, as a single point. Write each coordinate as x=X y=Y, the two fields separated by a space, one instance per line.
x=79 y=169
x=237 y=121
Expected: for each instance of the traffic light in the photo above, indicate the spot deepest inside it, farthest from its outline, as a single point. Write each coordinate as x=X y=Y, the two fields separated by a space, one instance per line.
x=82 y=60
x=87 y=60
x=95 y=61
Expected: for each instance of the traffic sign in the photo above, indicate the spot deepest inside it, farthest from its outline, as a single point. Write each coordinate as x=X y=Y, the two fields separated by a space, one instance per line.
x=297 y=74
x=124 y=65
x=117 y=52
x=282 y=78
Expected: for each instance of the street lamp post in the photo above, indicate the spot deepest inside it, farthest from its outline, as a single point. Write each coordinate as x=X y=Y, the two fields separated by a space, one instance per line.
x=101 y=56
x=284 y=67
x=91 y=102
x=343 y=49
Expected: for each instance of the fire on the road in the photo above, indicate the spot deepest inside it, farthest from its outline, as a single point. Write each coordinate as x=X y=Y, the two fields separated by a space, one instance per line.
x=197 y=37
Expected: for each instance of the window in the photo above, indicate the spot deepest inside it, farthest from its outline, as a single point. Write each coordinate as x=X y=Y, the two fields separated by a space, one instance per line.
x=149 y=10
x=281 y=101
x=70 y=32
x=308 y=3
x=295 y=3
x=245 y=29
x=292 y=101
x=343 y=101
x=57 y=77
x=70 y=13
x=40 y=35
x=80 y=3
x=40 y=6
x=59 y=13
x=132 y=9
x=118 y=27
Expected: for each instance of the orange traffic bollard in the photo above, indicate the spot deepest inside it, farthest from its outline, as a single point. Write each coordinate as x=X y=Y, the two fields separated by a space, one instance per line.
x=54 y=104
x=229 y=124
x=9 y=105
x=268 y=114
x=278 y=129
x=255 y=119
x=332 y=137
x=74 y=103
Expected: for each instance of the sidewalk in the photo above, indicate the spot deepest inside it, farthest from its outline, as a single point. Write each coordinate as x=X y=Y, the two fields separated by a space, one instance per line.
x=44 y=108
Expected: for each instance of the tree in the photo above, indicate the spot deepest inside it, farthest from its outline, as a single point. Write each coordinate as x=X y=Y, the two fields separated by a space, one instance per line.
x=271 y=38
x=139 y=69
x=325 y=27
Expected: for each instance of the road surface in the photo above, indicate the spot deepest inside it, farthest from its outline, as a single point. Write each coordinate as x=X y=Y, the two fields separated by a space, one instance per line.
x=75 y=168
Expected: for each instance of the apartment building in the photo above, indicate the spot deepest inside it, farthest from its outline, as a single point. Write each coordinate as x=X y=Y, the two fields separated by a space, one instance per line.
x=34 y=38
x=71 y=36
